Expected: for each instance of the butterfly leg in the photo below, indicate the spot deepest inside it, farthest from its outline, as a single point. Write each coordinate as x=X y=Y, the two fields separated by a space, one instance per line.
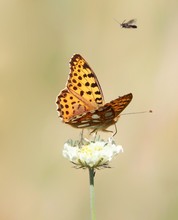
x=81 y=135
x=83 y=140
x=94 y=132
x=115 y=132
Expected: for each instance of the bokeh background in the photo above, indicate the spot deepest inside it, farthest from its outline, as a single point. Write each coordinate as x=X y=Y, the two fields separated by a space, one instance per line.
x=37 y=40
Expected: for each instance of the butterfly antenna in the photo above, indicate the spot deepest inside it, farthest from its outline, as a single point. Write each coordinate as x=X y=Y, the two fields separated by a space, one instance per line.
x=132 y=113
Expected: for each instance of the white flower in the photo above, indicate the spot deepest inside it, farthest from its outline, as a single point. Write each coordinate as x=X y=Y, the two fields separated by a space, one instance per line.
x=91 y=154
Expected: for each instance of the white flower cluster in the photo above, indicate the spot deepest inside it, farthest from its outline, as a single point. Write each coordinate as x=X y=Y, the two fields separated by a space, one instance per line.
x=92 y=154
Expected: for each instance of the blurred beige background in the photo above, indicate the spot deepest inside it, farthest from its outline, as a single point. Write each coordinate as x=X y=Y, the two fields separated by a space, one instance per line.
x=37 y=39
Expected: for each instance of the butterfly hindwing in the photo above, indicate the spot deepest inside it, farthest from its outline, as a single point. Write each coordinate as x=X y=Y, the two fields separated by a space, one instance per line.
x=69 y=105
x=104 y=116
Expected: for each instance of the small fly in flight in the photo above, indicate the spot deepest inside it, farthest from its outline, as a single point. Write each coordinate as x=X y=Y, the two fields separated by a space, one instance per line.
x=129 y=24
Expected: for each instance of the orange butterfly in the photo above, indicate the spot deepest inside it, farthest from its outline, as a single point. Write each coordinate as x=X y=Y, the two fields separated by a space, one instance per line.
x=81 y=103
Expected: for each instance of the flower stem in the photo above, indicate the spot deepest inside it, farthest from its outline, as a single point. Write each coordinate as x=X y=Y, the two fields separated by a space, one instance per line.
x=92 y=197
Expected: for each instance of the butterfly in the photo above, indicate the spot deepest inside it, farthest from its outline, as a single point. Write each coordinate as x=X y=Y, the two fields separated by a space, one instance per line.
x=81 y=104
x=129 y=24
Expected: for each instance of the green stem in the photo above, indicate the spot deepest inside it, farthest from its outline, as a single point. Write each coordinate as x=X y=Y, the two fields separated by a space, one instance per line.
x=92 y=194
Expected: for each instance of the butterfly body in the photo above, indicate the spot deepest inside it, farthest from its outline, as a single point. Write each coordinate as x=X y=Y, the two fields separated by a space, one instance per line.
x=81 y=103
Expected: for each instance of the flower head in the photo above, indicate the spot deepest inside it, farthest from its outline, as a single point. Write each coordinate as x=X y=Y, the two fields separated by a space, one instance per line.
x=92 y=154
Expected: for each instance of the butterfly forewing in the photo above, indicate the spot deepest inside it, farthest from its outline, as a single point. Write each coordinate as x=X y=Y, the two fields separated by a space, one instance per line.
x=84 y=84
x=119 y=104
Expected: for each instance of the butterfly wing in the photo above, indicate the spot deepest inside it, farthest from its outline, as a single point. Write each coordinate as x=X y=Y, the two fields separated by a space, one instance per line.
x=104 y=116
x=69 y=105
x=82 y=93
x=84 y=84
x=119 y=104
